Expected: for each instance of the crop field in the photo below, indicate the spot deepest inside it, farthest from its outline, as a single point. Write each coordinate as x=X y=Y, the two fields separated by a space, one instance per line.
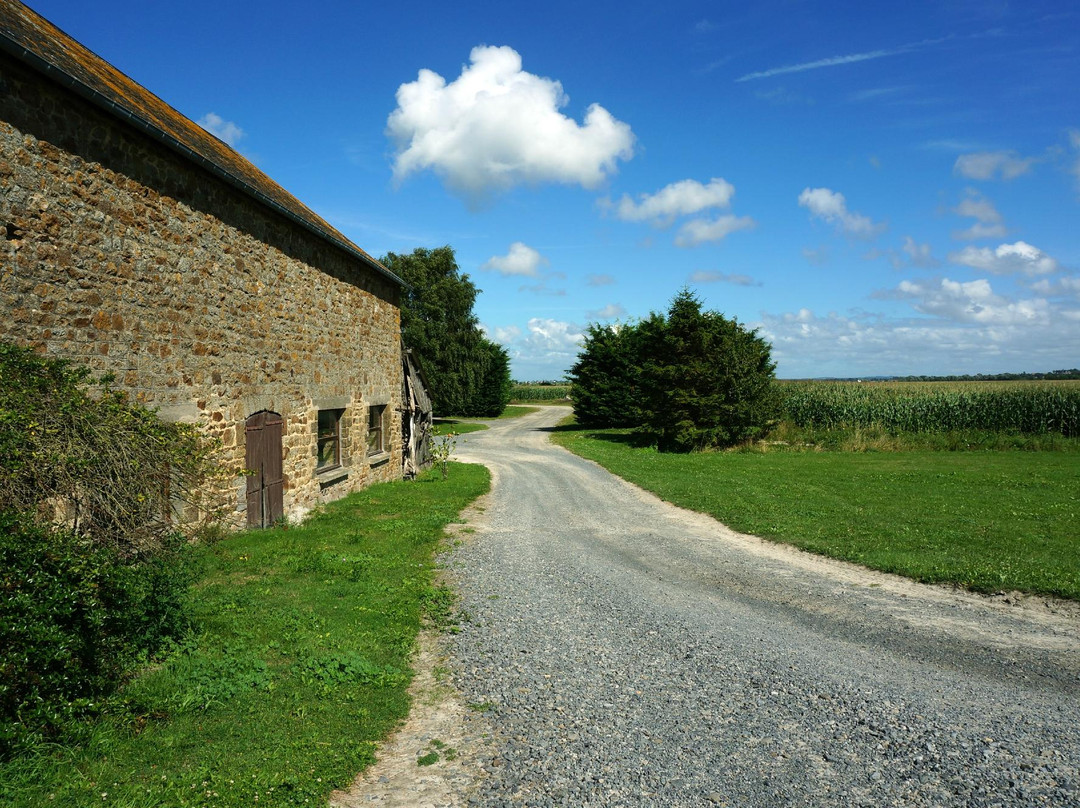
x=1036 y=408
x=549 y=393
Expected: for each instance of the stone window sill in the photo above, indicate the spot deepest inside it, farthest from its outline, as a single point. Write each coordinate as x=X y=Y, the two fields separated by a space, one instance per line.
x=331 y=475
x=379 y=459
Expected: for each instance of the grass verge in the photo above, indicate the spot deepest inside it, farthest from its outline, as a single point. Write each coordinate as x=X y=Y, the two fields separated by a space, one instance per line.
x=984 y=520
x=447 y=426
x=298 y=667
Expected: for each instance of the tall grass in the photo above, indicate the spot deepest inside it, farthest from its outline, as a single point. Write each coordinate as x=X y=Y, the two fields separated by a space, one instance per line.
x=1027 y=408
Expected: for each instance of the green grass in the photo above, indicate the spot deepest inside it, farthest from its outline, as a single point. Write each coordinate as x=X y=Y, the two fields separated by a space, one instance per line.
x=985 y=520
x=298 y=666
x=446 y=426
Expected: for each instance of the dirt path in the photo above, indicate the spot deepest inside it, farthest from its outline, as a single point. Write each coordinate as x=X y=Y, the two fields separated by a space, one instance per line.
x=632 y=653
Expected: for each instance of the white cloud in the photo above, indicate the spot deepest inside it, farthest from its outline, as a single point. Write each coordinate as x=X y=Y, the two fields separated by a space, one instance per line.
x=520 y=260
x=221 y=128
x=704 y=276
x=497 y=126
x=681 y=198
x=832 y=207
x=505 y=335
x=550 y=338
x=608 y=312
x=601 y=280
x=974 y=302
x=1068 y=286
x=816 y=255
x=989 y=223
x=699 y=231
x=1020 y=258
x=807 y=344
x=918 y=254
x=834 y=61
x=988 y=165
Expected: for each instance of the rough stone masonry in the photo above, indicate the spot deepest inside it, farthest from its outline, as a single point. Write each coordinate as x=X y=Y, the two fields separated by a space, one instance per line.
x=205 y=301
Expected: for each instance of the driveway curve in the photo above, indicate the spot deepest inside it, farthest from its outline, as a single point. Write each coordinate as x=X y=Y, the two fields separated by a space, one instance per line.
x=629 y=653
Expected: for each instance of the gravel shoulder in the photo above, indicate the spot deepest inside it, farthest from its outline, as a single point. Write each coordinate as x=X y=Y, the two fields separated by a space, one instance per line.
x=627 y=652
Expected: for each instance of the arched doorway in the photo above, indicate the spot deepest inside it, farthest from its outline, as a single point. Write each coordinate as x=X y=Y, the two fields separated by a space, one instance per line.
x=263 y=459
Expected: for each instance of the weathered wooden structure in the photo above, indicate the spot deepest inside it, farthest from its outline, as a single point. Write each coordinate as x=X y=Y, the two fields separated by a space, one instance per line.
x=417 y=416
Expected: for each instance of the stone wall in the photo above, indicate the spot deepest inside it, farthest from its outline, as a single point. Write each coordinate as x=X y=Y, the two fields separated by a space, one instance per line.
x=118 y=253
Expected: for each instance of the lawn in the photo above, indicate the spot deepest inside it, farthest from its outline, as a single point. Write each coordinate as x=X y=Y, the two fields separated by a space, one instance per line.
x=298 y=664
x=985 y=520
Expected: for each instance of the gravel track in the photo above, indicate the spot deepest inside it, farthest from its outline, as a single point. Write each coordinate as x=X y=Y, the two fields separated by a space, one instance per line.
x=629 y=653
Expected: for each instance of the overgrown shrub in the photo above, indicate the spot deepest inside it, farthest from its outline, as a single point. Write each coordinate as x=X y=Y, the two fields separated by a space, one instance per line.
x=91 y=570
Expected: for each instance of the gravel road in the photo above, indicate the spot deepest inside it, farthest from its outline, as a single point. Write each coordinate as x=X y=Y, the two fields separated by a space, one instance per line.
x=628 y=653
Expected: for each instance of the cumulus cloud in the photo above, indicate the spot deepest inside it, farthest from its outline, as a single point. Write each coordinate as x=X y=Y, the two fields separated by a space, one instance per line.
x=974 y=302
x=831 y=206
x=548 y=338
x=988 y=224
x=704 y=276
x=497 y=126
x=608 y=312
x=221 y=128
x=520 y=260
x=601 y=280
x=1020 y=258
x=505 y=334
x=988 y=165
x=700 y=231
x=682 y=198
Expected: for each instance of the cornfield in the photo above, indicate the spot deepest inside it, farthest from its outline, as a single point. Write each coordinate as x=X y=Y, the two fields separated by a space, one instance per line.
x=1024 y=407
x=539 y=392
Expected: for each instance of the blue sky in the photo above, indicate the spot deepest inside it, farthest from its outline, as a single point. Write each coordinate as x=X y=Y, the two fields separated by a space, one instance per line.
x=878 y=190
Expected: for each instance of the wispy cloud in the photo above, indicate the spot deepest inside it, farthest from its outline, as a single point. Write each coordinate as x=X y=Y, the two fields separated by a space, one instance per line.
x=834 y=61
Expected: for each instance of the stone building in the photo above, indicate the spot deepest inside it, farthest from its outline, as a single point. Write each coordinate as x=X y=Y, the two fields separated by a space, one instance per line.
x=137 y=243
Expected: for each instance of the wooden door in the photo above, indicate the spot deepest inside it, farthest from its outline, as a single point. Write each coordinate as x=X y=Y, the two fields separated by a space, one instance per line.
x=264 y=484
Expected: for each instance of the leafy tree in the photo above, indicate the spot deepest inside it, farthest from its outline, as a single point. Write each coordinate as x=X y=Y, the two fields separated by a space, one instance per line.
x=706 y=380
x=606 y=378
x=468 y=373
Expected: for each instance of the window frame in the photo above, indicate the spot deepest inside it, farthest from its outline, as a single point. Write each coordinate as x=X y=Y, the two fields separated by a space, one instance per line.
x=376 y=430
x=331 y=437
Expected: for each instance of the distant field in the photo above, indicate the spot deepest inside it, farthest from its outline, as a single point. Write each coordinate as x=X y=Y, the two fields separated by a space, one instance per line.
x=1025 y=407
x=540 y=393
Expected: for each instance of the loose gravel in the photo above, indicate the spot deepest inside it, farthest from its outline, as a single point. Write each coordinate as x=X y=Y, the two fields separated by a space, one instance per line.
x=628 y=653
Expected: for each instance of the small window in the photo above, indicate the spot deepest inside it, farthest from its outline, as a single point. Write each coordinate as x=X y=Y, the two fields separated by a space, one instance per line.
x=329 y=439
x=376 y=432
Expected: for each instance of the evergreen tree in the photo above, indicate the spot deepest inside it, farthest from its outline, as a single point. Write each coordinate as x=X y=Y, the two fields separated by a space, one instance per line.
x=467 y=373
x=706 y=380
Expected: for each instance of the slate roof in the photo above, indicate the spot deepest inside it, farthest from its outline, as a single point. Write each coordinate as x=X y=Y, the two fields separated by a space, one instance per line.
x=35 y=41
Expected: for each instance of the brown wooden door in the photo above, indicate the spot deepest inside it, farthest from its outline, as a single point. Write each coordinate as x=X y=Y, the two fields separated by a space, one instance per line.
x=264 y=485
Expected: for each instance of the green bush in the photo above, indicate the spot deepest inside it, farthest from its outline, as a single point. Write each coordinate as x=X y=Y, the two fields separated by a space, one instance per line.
x=91 y=487
x=74 y=617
